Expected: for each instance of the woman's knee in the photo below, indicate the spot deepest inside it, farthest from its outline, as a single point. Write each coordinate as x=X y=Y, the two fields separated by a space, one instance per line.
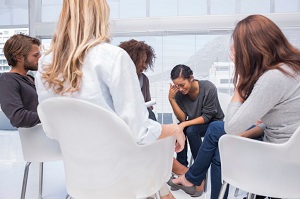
x=196 y=130
x=214 y=131
x=190 y=131
x=216 y=127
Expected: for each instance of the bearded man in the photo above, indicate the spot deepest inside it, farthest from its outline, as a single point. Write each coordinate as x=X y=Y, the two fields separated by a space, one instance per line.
x=18 y=97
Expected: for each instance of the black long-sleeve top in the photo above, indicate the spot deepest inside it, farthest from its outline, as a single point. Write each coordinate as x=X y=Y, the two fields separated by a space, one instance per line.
x=18 y=99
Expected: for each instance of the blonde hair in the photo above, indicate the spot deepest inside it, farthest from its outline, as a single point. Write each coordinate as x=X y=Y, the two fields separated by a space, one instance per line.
x=81 y=25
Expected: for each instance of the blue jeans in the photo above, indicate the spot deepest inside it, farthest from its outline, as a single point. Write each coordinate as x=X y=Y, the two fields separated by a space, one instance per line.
x=193 y=134
x=208 y=155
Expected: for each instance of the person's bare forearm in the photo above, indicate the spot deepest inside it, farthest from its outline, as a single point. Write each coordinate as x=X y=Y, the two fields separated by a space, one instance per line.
x=167 y=130
x=252 y=133
x=198 y=120
x=174 y=130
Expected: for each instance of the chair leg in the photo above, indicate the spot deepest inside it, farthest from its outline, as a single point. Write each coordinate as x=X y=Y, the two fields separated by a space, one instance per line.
x=25 y=180
x=223 y=190
x=205 y=184
x=191 y=161
x=157 y=195
x=41 y=180
x=68 y=197
x=236 y=193
x=251 y=196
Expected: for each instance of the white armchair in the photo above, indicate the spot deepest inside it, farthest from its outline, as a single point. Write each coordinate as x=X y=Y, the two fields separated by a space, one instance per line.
x=224 y=100
x=37 y=147
x=101 y=158
x=261 y=168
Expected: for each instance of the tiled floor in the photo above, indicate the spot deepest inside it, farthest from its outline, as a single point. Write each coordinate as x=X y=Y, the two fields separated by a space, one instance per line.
x=12 y=169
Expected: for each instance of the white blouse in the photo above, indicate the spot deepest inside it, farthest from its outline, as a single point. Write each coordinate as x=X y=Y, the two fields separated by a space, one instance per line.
x=110 y=81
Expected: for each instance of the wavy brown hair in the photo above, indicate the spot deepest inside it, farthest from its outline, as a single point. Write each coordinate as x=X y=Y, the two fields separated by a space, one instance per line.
x=260 y=46
x=82 y=24
x=18 y=44
x=136 y=50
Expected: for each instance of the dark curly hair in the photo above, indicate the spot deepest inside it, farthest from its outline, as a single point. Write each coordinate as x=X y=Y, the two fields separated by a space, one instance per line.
x=135 y=50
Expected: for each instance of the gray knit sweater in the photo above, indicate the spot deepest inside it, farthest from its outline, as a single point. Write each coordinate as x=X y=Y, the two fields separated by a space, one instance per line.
x=275 y=99
x=206 y=104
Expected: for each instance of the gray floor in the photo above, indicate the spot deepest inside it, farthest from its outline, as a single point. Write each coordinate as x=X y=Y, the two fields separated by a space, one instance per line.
x=12 y=169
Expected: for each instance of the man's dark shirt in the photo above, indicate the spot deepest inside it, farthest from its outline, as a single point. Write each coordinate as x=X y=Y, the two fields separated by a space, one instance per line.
x=18 y=99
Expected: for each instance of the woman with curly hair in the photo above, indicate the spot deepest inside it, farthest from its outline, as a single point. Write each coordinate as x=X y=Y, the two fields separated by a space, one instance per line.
x=143 y=57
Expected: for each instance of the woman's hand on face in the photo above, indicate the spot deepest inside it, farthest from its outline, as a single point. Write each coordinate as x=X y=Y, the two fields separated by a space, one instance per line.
x=172 y=91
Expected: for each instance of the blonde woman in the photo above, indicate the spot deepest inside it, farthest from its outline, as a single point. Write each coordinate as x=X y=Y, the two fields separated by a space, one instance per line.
x=82 y=64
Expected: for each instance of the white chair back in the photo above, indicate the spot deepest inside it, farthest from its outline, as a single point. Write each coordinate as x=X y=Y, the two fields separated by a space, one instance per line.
x=262 y=168
x=37 y=147
x=100 y=156
x=224 y=100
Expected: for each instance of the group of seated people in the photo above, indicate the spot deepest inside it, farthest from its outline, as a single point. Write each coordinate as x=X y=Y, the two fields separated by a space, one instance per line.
x=265 y=102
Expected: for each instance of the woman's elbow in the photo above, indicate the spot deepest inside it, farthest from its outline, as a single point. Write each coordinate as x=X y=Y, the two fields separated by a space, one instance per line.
x=228 y=128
